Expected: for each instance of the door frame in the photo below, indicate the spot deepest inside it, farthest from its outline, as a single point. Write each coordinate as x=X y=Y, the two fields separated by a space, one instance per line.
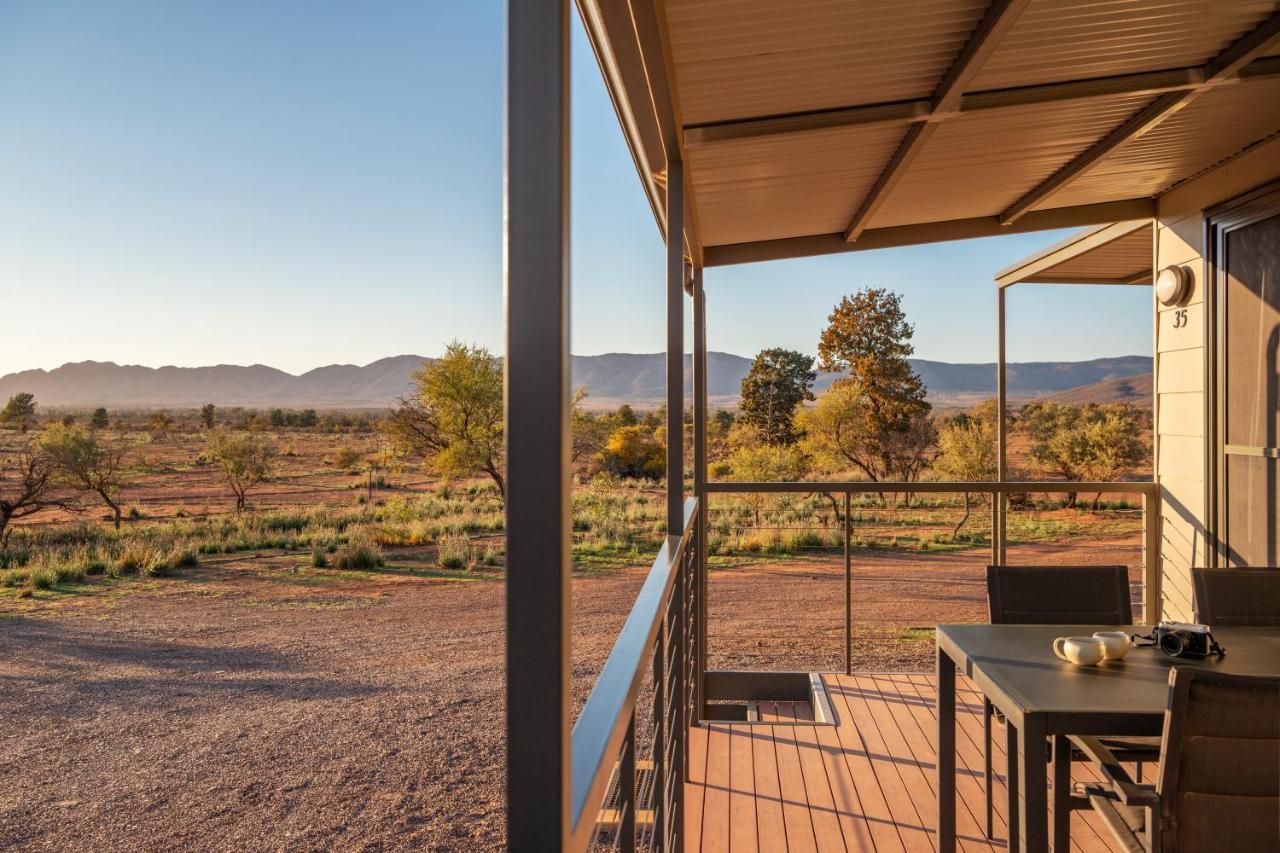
x=1219 y=222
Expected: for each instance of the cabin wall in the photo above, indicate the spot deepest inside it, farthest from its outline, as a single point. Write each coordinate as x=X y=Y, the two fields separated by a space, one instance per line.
x=1183 y=454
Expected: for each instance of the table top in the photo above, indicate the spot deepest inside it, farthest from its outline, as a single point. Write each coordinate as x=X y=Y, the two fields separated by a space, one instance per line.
x=1015 y=667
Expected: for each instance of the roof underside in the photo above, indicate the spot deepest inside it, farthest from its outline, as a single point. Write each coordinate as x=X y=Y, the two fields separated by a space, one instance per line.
x=1120 y=253
x=815 y=126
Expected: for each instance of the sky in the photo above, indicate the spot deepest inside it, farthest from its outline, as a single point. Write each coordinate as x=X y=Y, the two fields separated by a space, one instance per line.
x=307 y=182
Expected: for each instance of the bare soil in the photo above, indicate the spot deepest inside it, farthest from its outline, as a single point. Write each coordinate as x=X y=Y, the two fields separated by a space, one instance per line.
x=242 y=706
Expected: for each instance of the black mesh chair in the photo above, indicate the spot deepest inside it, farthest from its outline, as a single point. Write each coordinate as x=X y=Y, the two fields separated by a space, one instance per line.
x=1060 y=595
x=1242 y=597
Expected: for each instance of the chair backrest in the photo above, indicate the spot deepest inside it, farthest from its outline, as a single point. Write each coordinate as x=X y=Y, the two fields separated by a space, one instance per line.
x=1059 y=595
x=1237 y=596
x=1219 y=781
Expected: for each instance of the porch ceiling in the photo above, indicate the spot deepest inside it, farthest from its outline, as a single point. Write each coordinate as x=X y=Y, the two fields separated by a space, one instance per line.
x=1120 y=253
x=816 y=126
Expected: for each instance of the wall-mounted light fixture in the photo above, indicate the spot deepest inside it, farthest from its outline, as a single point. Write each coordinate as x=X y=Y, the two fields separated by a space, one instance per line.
x=1173 y=285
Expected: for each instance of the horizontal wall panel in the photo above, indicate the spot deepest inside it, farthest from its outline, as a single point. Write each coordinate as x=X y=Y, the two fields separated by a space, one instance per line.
x=1182 y=414
x=1180 y=327
x=1180 y=370
x=1181 y=456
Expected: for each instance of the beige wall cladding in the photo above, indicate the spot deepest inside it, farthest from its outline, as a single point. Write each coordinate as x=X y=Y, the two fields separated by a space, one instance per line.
x=1180 y=370
x=980 y=163
x=1181 y=414
x=738 y=59
x=1182 y=546
x=1056 y=40
x=786 y=186
x=1182 y=456
x=1180 y=327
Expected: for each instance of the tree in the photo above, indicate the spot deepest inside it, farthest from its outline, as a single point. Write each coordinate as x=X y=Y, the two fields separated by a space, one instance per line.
x=767 y=464
x=454 y=420
x=590 y=430
x=20 y=411
x=966 y=452
x=99 y=420
x=28 y=485
x=777 y=383
x=1081 y=442
x=207 y=413
x=632 y=451
x=160 y=423
x=879 y=418
x=245 y=459
x=85 y=463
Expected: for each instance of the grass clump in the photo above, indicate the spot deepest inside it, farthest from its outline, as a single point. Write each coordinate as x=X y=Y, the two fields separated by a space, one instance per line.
x=361 y=555
x=455 y=553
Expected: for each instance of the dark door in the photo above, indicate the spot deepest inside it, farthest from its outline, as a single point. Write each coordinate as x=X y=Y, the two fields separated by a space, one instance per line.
x=1247 y=250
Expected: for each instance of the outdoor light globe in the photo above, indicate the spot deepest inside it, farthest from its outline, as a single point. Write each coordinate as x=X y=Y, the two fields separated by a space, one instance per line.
x=1173 y=284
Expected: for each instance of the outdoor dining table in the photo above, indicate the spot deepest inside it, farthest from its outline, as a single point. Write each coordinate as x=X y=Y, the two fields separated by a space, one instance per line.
x=1042 y=696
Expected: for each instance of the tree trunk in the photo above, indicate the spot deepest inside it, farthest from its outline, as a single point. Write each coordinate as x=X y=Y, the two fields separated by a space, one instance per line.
x=1071 y=500
x=956 y=532
x=5 y=515
x=115 y=508
x=1093 y=507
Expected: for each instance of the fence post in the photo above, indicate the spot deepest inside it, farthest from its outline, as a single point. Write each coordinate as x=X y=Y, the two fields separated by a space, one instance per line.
x=1152 y=576
x=848 y=591
x=659 y=739
x=627 y=789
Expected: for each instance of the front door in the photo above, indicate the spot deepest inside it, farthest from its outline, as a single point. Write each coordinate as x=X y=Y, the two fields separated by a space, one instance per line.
x=1246 y=251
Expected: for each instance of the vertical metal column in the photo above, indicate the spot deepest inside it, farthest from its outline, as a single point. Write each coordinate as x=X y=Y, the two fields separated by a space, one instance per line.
x=675 y=347
x=700 y=487
x=627 y=790
x=538 y=400
x=1000 y=500
x=848 y=590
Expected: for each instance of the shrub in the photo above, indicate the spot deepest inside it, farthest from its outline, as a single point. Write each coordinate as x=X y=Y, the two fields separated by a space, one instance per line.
x=455 y=553
x=42 y=578
x=362 y=555
x=346 y=457
x=318 y=559
x=13 y=577
x=135 y=512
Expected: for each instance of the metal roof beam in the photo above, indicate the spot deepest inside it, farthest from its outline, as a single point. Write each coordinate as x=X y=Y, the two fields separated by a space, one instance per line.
x=1225 y=65
x=997 y=21
x=928 y=232
x=907 y=112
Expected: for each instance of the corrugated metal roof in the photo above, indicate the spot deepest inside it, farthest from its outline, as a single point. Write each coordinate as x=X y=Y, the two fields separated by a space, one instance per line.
x=1210 y=129
x=737 y=59
x=979 y=163
x=1120 y=253
x=1056 y=40
x=786 y=186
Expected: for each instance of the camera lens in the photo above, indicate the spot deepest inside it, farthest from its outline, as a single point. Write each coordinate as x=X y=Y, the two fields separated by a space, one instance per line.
x=1172 y=644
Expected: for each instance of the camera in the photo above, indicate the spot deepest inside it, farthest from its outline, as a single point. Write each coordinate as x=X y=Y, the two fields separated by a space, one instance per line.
x=1183 y=640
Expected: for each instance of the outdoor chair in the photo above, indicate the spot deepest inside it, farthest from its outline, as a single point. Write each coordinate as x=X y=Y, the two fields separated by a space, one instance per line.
x=1060 y=595
x=1218 y=787
x=1242 y=597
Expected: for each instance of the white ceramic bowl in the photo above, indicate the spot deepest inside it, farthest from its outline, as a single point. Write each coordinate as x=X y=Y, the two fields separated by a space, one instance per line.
x=1115 y=644
x=1081 y=651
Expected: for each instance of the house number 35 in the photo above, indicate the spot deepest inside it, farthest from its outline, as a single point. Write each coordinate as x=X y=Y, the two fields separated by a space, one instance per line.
x=1180 y=318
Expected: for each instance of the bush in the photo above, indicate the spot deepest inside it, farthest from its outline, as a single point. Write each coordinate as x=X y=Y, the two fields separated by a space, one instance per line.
x=13 y=577
x=42 y=578
x=361 y=555
x=318 y=559
x=346 y=457
x=455 y=553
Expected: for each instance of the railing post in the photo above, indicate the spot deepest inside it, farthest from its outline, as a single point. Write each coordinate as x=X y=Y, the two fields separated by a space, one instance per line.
x=1152 y=576
x=700 y=489
x=659 y=739
x=627 y=789
x=538 y=400
x=848 y=591
x=999 y=501
x=675 y=347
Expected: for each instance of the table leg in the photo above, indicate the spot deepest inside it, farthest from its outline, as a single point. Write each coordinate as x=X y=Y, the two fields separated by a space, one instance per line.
x=1032 y=775
x=1061 y=793
x=946 y=764
x=1011 y=779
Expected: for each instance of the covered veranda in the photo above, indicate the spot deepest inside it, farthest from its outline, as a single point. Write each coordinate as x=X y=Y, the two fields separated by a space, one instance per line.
x=764 y=131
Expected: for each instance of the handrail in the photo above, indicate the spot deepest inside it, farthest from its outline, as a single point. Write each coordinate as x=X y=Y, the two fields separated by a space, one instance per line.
x=1005 y=487
x=599 y=731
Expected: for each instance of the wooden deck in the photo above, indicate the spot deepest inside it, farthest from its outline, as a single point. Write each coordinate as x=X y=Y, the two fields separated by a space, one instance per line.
x=785 y=784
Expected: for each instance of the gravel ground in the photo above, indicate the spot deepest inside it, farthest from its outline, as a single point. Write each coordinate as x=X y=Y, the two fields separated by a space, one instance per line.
x=246 y=713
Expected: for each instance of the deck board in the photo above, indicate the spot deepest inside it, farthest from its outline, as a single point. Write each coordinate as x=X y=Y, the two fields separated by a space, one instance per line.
x=867 y=783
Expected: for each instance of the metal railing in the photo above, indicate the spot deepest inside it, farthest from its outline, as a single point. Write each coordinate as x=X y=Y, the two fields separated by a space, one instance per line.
x=998 y=492
x=660 y=635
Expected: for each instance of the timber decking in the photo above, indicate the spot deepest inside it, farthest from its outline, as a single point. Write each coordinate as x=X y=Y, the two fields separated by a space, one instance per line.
x=866 y=783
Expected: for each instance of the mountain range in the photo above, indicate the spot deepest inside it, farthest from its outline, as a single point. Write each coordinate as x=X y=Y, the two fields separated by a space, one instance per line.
x=610 y=379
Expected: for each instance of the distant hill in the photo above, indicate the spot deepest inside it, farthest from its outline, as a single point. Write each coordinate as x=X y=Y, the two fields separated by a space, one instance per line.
x=1136 y=390
x=611 y=379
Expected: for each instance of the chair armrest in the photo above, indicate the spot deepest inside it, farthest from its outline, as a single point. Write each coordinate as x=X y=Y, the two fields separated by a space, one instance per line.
x=1130 y=792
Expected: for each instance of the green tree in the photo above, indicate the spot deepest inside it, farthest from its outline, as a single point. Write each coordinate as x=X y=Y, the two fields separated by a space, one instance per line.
x=207 y=413
x=885 y=428
x=777 y=383
x=87 y=464
x=1083 y=442
x=160 y=423
x=100 y=419
x=20 y=411
x=454 y=420
x=245 y=459
x=767 y=463
x=966 y=452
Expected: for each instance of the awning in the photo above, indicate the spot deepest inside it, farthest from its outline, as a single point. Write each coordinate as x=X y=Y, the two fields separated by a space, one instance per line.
x=1120 y=253
x=807 y=127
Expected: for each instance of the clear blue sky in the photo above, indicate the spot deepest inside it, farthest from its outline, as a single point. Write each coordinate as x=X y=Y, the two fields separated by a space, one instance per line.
x=298 y=183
